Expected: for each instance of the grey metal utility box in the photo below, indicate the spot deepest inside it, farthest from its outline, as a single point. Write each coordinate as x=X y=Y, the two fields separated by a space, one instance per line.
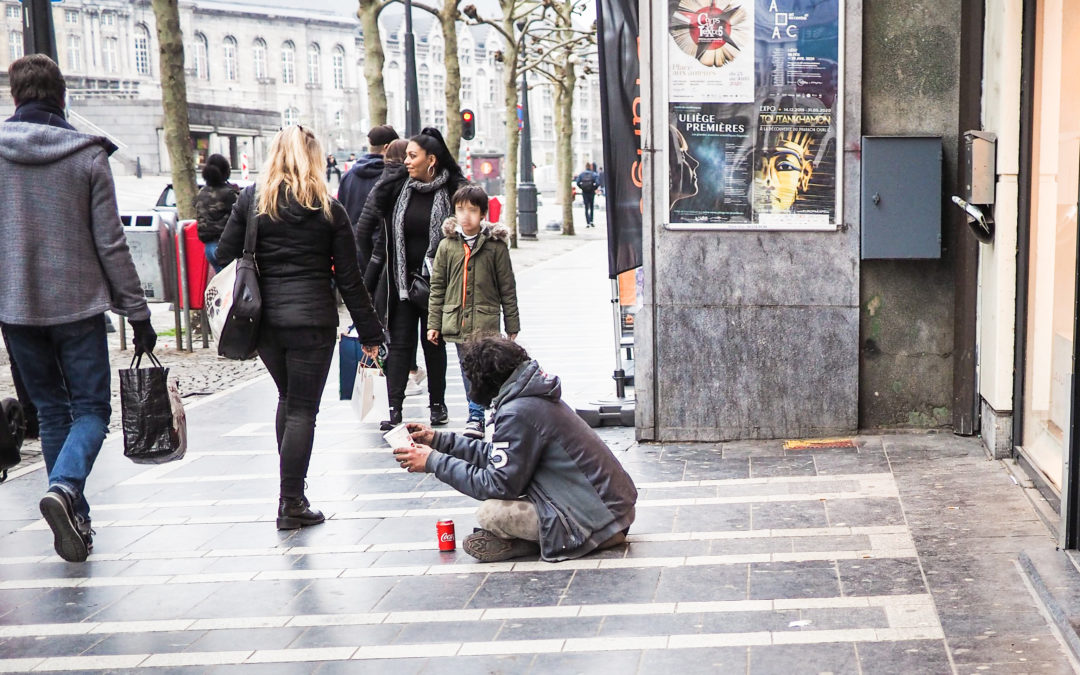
x=901 y=197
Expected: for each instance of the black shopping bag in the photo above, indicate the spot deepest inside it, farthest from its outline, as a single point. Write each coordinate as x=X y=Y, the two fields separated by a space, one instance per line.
x=155 y=427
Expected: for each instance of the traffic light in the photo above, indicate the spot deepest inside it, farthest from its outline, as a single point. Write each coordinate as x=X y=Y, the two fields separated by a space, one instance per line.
x=468 y=125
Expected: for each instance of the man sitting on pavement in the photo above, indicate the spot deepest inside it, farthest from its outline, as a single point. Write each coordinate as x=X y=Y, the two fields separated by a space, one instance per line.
x=545 y=478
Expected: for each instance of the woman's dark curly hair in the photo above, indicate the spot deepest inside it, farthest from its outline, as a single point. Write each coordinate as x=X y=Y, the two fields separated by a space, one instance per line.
x=488 y=363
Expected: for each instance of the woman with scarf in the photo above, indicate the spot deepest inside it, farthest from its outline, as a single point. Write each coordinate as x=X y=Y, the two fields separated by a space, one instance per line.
x=410 y=210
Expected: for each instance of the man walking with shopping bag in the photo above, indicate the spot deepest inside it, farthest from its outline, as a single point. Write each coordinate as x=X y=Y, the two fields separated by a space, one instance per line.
x=64 y=263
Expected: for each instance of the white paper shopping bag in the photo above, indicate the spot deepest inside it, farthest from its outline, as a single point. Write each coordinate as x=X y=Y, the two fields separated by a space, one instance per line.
x=369 y=395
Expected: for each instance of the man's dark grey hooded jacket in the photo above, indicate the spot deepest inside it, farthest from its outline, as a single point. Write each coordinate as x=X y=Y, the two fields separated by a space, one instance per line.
x=543 y=452
x=64 y=255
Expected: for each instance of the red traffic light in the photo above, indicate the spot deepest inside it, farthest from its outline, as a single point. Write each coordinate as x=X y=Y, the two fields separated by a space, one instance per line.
x=468 y=125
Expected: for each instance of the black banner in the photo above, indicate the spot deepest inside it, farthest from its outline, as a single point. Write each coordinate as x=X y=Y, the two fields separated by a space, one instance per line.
x=620 y=102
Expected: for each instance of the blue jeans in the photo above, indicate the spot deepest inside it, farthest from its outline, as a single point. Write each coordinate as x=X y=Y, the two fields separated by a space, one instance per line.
x=210 y=250
x=476 y=411
x=66 y=372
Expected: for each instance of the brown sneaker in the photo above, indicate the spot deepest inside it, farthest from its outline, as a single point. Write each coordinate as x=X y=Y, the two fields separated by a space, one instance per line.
x=486 y=547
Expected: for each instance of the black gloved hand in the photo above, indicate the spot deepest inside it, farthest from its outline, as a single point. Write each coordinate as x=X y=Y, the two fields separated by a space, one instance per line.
x=145 y=337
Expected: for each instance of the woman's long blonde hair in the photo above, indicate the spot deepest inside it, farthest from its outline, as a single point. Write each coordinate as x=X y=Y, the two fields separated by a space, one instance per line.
x=295 y=165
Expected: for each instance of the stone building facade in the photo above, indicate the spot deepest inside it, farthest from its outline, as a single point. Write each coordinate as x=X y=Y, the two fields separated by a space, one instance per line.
x=254 y=67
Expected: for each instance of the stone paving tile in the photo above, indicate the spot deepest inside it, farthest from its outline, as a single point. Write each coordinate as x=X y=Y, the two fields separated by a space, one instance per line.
x=526 y=589
x=56 y=645
x=694 y=661
x=590 y=587
x=837 y=658
x=573 y=664
x=543 y=629
x=705 y=583
x=865 y=512
x=904 y=657
x=346 y=636
x=144 y=643
x=881 y=577
x=788 y=514
x=793 y=581
x=376 y=667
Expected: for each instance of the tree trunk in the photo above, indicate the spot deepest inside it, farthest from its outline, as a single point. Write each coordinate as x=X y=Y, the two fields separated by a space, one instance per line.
x=513 y=137
x=448 y=17
x=564 y=142
x=175 y=104
x=368 y=13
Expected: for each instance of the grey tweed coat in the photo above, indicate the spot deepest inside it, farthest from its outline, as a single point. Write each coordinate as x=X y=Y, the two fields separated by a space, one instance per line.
x=63 y=254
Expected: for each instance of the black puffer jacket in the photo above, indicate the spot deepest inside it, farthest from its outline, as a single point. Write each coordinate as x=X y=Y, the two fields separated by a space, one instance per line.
x=374 y=224
x=212 y=208
x=542 y=451
x=298 y=256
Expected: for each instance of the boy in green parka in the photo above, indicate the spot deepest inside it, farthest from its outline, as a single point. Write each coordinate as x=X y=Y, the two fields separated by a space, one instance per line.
x=470 y=280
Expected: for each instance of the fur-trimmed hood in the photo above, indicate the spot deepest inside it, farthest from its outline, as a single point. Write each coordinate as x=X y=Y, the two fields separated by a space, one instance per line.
x=498 y=231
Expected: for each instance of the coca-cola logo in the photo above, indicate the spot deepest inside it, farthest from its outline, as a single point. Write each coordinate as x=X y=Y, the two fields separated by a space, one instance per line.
x=446 y=536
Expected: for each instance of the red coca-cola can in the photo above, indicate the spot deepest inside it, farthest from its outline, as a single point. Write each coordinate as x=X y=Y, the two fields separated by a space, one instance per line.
x=445 y=531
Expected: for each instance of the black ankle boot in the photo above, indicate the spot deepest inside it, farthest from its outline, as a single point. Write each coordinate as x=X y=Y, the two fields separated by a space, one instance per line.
x=295 y=512
x=395 y=419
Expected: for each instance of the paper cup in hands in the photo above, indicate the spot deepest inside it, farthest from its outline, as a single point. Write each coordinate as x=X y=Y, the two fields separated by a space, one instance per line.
x=399 y=437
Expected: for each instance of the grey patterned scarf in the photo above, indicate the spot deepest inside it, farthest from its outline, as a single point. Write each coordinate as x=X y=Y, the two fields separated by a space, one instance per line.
x=440 y=211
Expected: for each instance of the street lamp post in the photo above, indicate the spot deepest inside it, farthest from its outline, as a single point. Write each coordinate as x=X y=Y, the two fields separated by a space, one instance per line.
x=527 y=217
x=412 y=91
x=38 y=28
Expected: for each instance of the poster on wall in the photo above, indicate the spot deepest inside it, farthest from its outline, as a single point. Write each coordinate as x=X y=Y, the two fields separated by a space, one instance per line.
x=761 y=156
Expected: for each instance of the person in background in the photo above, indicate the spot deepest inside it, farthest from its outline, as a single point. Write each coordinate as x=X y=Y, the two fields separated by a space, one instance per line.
x=332 y=167
x=364 y=173
x=305 y=249
x=411 y=214
x=213 y=204
x=588 y=181
x=471 y=280
x=546 y=479
x=64 y=263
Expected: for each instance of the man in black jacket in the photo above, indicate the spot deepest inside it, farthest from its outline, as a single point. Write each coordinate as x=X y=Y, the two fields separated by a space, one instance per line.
x=365 y=172
x=545 y=478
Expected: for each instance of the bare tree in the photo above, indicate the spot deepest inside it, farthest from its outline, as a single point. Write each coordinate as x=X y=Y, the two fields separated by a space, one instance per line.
x=175 y=104
x=556 y=47
x=448 y=16
x=368 y=12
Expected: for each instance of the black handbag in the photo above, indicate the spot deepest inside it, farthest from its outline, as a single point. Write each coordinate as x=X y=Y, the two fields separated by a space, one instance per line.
x=12 y=432
x=419 y=290
x=240 y=334
x=154 y=423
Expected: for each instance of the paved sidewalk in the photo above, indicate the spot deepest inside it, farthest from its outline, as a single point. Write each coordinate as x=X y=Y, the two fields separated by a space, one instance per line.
x=895 y=554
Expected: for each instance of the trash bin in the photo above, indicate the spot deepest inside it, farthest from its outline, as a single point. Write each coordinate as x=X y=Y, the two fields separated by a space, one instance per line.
x=198 y=268
x=153 y=248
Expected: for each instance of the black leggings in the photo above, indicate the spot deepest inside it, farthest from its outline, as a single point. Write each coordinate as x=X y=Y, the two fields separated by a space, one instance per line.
x=403 y=319
x=299 y=360
x=588 y=197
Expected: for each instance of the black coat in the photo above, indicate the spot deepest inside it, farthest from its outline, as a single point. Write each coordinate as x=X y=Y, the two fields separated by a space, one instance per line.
x=213 y=206
x=374 y=223
x=298 y=256
x=357 y=183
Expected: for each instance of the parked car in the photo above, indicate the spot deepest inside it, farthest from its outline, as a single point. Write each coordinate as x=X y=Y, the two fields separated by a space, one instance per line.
x=166 y=201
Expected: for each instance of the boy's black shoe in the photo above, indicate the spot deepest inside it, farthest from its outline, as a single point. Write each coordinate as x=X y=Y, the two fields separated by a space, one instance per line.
x=395 y=419
x=57 y=507
x=439 y=414
x=474 y=428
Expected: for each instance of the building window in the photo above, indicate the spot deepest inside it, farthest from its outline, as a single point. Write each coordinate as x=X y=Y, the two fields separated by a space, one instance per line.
x=465 y=55
x=288 y=63
x=466 y=89
x=230 y=58
x=71 y=16
x=14 y=12
x=547 y=96
x=440 y=85
x=259 y=54
x=339 y=118
x=15 y=44
x=142 y=50
x=437 y=52
x=110 y=47
x=108 y=19
x=440 y=120
x=314 y=70
x=423 y=82
x=583 y=129
x=290 y=117
x=74 y=53
x=202 y=51
x=493 y=90
x=337 y=60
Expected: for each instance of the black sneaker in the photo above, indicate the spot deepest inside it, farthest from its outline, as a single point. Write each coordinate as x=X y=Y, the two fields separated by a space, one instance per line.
x=474 y=428
x=87 y=533
x=58 y=510
x=395 y=419
x=439 y=414
x=486 y=547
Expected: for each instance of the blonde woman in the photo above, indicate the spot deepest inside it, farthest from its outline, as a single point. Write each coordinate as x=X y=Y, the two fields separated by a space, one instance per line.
x=304 y=245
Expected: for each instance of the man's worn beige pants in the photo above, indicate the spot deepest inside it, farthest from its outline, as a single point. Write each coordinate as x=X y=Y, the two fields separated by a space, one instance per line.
x=517 y=519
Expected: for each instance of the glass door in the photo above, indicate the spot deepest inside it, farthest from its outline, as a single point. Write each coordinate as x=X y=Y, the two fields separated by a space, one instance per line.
x=1052 y=255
